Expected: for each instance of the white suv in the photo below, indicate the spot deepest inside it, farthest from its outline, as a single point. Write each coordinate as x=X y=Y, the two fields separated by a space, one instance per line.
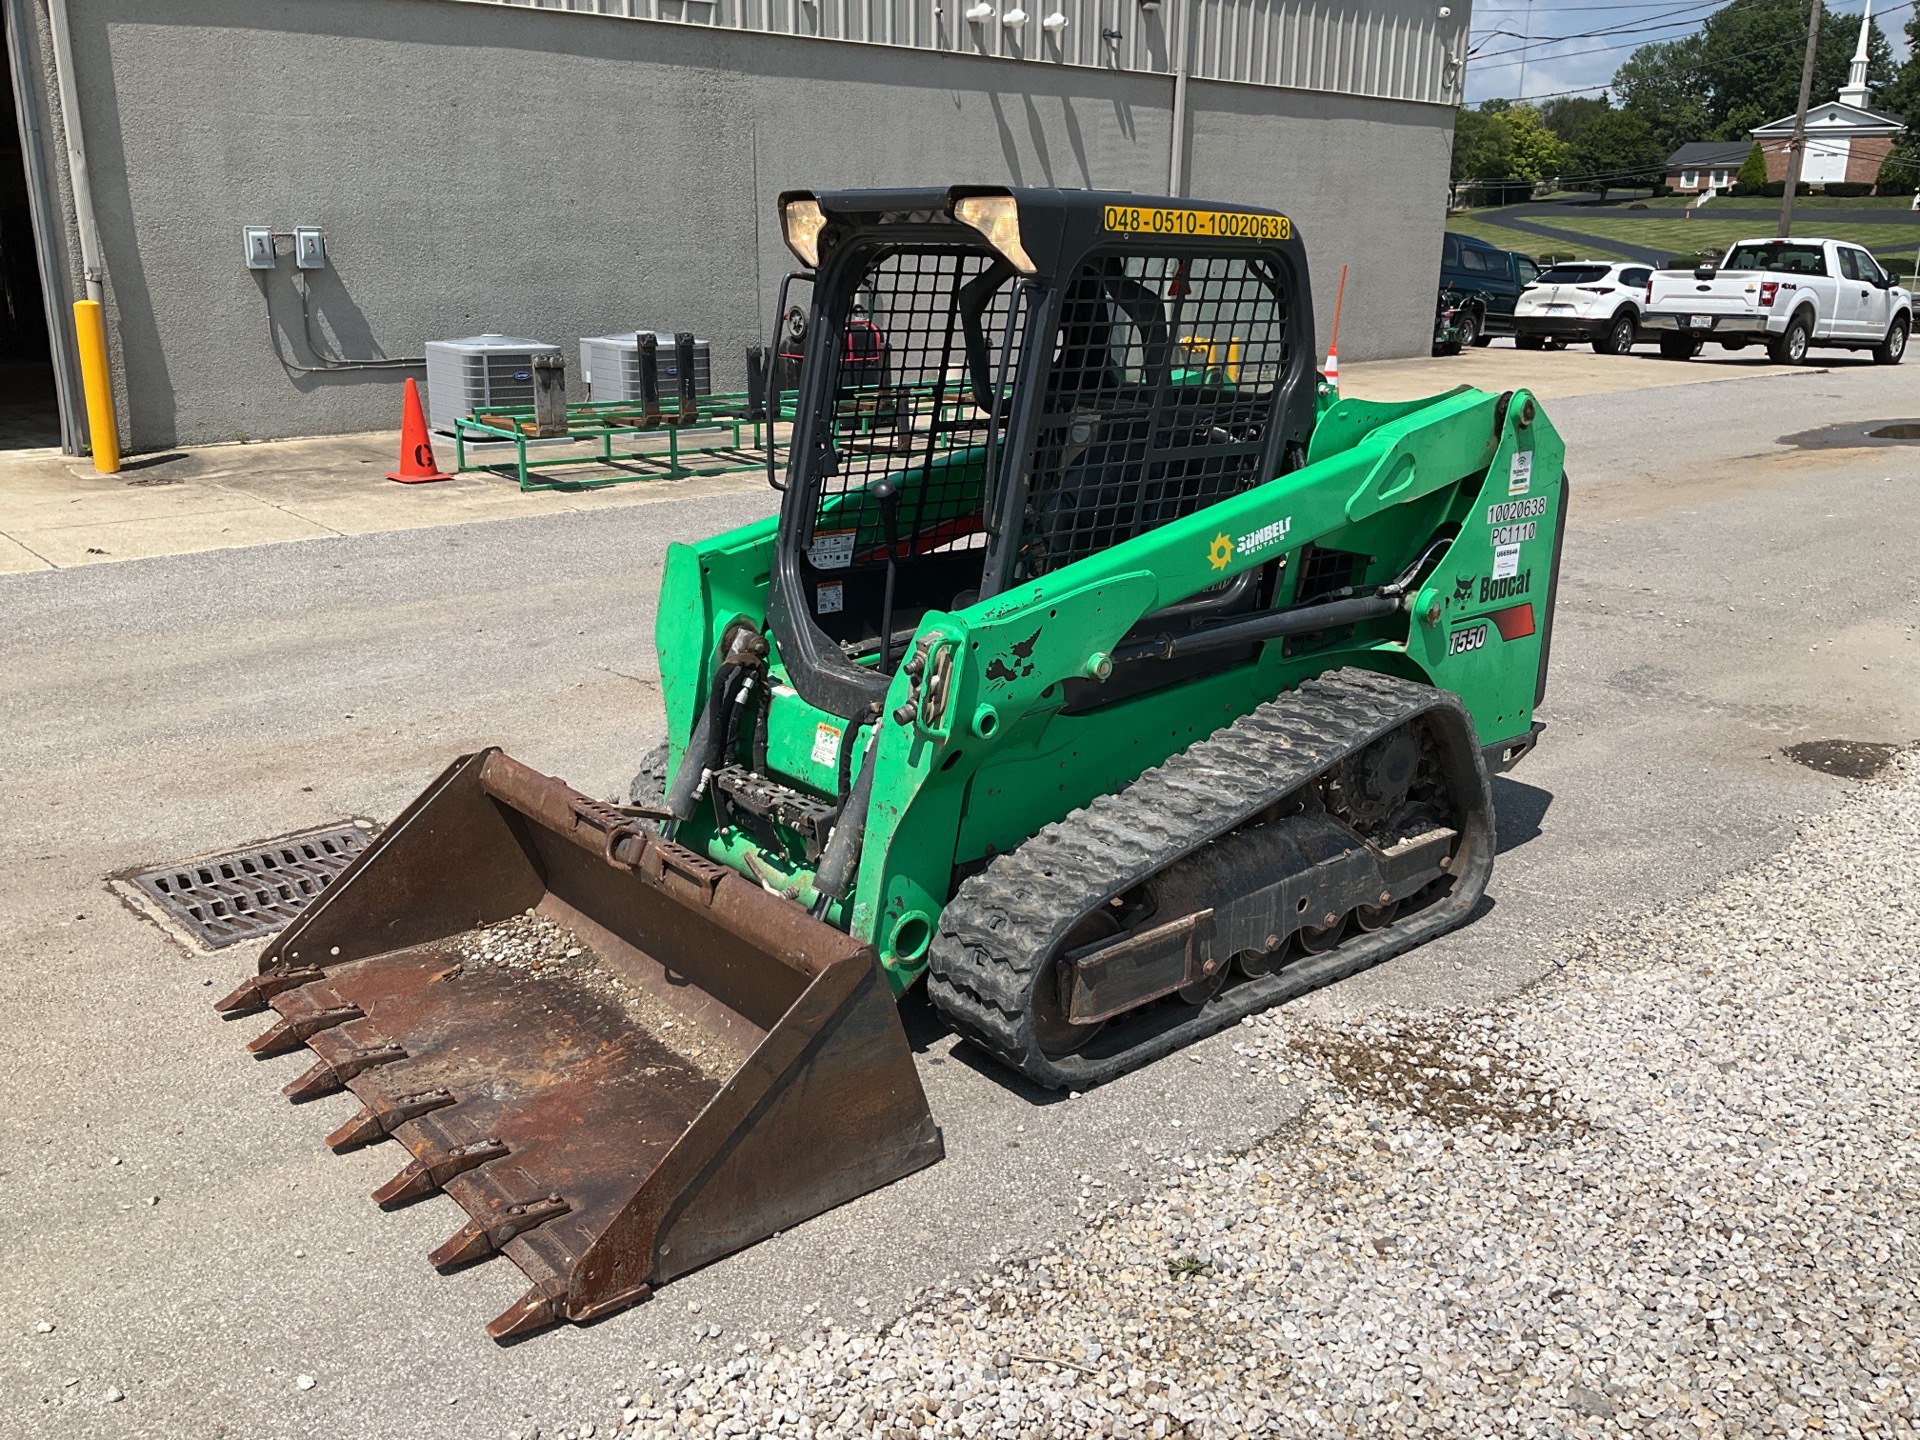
x=1594 y=300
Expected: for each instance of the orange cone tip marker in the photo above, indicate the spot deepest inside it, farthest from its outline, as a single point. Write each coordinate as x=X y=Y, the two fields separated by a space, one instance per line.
x=416 y=450
x=1332 y=372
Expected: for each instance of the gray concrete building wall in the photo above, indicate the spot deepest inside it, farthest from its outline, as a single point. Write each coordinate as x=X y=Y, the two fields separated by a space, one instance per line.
x=1365 y=180
x=486 y=168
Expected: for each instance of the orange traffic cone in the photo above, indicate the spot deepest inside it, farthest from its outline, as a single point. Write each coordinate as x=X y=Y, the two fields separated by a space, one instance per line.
x=1332 y=373
x=416 y=450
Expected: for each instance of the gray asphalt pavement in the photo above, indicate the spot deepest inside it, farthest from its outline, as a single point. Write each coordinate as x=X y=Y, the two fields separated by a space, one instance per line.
x=197 y=1251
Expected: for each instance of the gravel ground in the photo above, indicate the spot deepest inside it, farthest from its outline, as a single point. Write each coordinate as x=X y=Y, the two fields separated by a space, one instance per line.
x=1667 y=1192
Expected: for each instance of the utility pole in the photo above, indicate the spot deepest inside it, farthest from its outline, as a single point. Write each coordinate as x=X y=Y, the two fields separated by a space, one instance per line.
x=1796 y=154
x=1525 y=41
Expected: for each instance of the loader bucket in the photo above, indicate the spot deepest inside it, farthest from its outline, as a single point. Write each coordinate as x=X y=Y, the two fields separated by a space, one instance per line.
x=621 y=1059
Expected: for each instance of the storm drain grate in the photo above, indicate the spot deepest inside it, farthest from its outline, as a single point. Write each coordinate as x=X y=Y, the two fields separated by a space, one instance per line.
x=225 y=899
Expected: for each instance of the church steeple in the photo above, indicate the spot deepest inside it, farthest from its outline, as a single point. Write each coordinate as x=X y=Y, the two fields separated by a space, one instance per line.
x=1855 y=91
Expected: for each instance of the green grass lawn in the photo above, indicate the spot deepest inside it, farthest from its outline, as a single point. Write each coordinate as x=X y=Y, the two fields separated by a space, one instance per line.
x=1893 y=244
x=1703 y=232
x=1525 y=241
x=1761 y=202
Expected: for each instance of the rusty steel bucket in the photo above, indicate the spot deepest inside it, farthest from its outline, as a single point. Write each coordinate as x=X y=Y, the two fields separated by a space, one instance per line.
x=702 y=1065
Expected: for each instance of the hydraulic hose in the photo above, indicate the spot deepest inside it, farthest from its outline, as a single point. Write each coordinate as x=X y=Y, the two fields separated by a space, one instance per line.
x=760 y=723
x=843 y=846
x=846 y=762
x=736 y=718
x=703 y=746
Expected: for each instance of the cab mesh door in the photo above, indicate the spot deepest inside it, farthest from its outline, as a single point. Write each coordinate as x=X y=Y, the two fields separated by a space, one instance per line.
x=1159 y=401
x=916 y=402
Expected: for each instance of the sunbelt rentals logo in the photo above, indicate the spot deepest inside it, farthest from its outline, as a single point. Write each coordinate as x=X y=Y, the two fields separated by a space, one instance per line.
x=1220 y=554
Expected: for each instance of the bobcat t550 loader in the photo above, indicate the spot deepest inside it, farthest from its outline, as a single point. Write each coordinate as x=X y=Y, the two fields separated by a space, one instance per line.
x=1102 y=671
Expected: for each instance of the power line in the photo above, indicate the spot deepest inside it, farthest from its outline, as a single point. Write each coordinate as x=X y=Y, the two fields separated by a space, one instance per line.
x=1628 y=44
x=1794 y=43
x=1480 y=10
x=1558 y=9
x=1640 y=22
x=1633 y=27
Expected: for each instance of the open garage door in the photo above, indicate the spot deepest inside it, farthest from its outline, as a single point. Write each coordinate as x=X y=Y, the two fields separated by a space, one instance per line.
x=32 y=413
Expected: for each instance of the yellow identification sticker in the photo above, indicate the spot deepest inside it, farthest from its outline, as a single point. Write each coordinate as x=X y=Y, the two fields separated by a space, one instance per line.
x=1211 y=224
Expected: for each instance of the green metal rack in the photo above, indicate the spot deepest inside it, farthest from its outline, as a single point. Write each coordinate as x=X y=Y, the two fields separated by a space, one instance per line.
x=718 y=436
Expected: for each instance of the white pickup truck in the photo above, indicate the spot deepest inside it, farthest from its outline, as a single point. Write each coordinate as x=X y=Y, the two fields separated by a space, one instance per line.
x=1790 y=294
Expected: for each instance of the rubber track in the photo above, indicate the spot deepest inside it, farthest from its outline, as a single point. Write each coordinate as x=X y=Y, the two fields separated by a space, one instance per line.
x=1006 y=921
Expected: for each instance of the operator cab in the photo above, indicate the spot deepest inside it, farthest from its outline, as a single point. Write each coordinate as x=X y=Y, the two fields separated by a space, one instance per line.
x=1023 y=378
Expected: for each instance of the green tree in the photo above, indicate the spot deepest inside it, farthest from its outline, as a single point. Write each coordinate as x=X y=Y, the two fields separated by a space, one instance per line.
x=1901 y=94
x=1618 y=148
x=1567 y=115
x=1481 y=145
x=1534 y=152
x=1753 y=170
x=1748 y=59
x=1743 y=70
x=1900 y=171
x=1661 y=84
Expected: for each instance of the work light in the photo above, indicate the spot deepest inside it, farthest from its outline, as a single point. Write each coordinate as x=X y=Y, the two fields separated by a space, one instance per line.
x=998 y=218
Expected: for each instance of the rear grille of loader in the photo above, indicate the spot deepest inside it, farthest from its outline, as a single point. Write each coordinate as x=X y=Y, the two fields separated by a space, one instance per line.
x=248 y=893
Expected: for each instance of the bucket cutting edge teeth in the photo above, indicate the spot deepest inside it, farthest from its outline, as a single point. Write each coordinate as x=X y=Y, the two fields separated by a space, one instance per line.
x=254 y=994
x=376 y=1120
x=427 y=1172
x=544 y=1303
x=290 y=1032
x=476 y=1240
x=326 y=1075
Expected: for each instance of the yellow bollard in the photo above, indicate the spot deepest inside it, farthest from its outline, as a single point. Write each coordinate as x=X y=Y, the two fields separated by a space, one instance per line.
x=90 y=329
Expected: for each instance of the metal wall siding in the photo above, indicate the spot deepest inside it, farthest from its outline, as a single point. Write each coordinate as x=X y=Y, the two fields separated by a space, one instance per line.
x=1391 y=49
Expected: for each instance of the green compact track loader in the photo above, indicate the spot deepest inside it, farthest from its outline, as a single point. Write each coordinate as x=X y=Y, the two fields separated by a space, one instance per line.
x=1102 y=671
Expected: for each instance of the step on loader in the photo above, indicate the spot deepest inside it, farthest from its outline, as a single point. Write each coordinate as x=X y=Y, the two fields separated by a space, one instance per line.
x=1102 y=671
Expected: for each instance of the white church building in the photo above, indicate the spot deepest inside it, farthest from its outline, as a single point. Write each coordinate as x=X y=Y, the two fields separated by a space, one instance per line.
x=1846 y=137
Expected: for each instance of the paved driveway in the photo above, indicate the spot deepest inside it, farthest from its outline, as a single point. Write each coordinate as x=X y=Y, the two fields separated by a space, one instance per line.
x=195 y=1248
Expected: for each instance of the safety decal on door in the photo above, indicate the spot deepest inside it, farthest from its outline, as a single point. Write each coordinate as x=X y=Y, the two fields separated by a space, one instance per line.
x=832 y=549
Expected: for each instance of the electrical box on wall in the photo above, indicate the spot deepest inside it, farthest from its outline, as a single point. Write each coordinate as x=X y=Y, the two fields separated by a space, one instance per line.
x=309 y=247
x=259 y=240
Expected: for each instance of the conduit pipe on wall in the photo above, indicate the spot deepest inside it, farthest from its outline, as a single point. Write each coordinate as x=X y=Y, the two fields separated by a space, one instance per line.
x=76 y=150
x=1177 y=161
x=89 y=322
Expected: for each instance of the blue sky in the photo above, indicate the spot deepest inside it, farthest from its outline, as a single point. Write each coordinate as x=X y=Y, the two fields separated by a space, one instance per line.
x=1571 y=64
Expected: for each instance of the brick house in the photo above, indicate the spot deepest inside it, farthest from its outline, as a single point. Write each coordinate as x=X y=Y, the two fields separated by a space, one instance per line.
x=1706 y=165
x=1846 y=137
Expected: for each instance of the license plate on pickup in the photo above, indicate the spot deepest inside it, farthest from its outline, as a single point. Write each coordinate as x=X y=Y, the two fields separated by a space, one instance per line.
x=1699 y=322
